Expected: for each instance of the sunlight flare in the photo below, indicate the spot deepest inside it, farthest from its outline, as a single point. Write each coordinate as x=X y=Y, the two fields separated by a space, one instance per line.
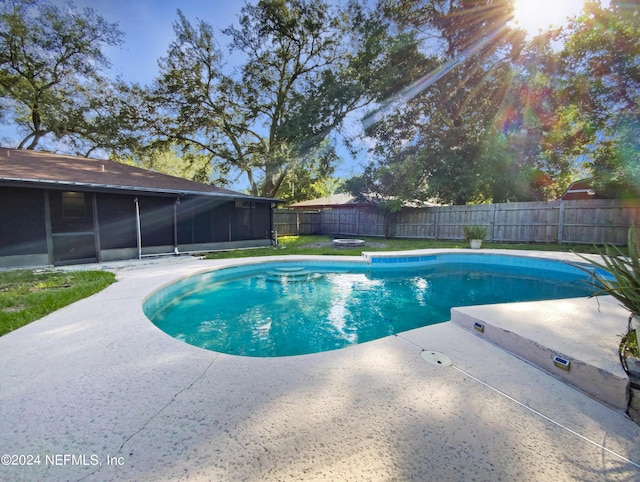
x=534 y=16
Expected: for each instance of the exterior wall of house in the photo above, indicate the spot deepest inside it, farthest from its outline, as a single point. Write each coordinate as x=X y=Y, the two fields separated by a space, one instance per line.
x=43 y=227
x=579 y=190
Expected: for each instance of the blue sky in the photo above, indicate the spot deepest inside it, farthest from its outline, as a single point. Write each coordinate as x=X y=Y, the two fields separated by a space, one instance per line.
x=148 y=29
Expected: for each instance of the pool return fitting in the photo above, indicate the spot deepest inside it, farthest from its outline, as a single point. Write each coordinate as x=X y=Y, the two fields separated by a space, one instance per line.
x=436 y=358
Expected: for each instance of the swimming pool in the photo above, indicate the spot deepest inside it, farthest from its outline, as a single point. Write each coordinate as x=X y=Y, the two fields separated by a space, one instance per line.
x=291 y=308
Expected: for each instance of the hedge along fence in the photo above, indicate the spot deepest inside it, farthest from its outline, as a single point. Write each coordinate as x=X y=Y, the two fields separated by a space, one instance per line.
x=586 y=222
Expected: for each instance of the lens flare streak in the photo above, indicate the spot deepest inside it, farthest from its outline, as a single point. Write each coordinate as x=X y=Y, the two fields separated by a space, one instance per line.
x=426 y=81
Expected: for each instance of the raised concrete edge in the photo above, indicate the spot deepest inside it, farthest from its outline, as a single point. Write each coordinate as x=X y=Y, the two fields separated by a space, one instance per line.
x=551 y=330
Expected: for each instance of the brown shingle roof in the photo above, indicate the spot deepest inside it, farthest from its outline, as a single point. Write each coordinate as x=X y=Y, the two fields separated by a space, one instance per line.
x=346 y=200
x=37 y=167
x=334 y=200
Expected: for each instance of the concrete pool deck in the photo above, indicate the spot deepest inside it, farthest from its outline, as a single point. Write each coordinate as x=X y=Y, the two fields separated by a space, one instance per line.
x=97 y=392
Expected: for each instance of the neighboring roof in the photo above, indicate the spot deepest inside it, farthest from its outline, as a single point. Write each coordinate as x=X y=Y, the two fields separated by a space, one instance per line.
x=340 y=200
x=579 y=190
x=346 y=200
x=39 y=168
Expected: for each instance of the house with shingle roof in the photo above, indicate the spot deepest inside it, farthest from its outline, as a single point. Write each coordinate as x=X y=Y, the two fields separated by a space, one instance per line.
x=333 y=201
x=581 y=189
x=348 y=201
x=58 y=209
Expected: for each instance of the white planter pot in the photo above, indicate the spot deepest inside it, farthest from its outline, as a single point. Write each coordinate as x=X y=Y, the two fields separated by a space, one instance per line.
x=475 y=243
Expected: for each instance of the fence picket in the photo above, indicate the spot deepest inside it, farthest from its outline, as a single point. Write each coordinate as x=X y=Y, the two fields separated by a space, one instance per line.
x=586 y=222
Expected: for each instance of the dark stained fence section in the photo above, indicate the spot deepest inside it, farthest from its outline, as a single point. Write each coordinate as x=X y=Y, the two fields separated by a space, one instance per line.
x=293 y=222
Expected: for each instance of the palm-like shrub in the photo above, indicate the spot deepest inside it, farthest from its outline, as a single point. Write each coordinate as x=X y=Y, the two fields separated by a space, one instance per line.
x=474 y=232
x=624 y=282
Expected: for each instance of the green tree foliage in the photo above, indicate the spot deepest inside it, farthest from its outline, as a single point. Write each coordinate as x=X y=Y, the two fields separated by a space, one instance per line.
x=601 y=120
x=169 y=159
x=433 y=144
x=460 y=106
x=528 y=124
x=510 y=120
x=297 y=79
x=311 y=179
x=51 y=81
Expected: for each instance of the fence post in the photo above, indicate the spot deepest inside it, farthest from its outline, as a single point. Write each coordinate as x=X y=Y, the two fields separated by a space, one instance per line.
x=576 y=221
x=492 y=222
x=561 y=222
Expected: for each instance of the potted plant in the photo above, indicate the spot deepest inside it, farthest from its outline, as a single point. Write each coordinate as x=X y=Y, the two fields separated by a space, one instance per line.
x=475 y=235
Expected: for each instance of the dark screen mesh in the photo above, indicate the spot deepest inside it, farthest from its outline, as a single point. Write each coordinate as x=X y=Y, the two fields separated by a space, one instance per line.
x=22 y=222
x=156 y=221
x=117 y=220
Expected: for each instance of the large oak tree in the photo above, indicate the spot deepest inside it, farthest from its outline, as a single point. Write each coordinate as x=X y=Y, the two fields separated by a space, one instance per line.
x=51 y=74
x=432 y=138
x=297 y=75
x=509 y=120
x=600 y=116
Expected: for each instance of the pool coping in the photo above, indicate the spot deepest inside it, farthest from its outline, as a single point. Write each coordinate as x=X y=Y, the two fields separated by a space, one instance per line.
x=543 y=334
x=97 y=378
x=595 y=367
x=538 y=332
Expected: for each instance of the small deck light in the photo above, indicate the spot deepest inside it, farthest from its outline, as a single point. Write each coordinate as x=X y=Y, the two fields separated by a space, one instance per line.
x=561 y=362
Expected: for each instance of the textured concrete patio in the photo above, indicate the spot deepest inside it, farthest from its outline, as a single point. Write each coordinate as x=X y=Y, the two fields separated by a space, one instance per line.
x=99 y=393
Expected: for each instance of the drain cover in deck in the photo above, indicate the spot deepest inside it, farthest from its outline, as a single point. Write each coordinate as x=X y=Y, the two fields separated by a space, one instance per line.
x=436 y=358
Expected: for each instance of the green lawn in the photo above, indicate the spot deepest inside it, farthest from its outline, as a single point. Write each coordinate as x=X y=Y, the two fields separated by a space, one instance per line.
x=322 y=245
x=27 y=295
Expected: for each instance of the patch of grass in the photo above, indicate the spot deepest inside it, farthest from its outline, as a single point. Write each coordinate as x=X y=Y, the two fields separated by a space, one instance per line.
x=321 y=245
x=629 y=344
x=26 y=295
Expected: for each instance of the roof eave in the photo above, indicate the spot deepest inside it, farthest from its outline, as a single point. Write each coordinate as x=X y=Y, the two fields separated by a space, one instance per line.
x=7 y=181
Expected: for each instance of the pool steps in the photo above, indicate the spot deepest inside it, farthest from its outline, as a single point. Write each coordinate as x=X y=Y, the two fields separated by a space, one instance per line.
x=301 y=274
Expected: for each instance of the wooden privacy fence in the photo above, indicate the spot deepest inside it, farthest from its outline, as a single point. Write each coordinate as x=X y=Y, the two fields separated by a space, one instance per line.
x=293 y=222
x=589 y=221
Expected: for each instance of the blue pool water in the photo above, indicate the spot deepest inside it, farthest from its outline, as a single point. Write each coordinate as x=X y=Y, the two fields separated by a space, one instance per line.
x=281 y=309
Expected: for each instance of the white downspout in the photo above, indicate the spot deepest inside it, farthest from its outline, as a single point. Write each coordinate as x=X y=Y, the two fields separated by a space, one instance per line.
x=138 y=230
x=175 y=227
